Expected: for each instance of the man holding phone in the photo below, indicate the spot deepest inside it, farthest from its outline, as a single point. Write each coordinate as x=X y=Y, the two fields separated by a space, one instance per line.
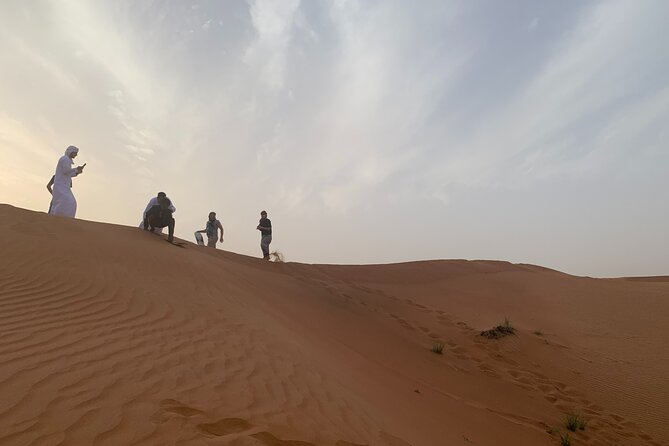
x=63 y=202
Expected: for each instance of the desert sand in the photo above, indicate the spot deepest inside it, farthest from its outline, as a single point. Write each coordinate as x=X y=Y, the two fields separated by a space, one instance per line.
x=111 y=336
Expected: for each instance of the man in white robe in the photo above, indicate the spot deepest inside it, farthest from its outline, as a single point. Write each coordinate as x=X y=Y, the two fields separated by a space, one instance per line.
x=152 y=202
x=63 y=201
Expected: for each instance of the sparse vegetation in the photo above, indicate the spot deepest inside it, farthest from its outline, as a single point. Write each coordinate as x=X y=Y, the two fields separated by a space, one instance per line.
x=537 y=333
x=507 y=322
x=438 y=348
x=575 y=421
x=565 y=439
x=504 y=329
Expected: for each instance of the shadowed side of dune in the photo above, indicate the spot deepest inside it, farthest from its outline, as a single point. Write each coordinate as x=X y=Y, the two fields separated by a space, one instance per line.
x=648 y=279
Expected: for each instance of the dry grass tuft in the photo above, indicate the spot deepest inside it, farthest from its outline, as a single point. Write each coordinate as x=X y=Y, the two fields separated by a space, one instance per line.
x=505 y=329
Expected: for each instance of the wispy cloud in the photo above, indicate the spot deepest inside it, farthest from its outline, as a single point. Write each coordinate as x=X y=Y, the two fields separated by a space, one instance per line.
x=558 y=123
x=273 y=21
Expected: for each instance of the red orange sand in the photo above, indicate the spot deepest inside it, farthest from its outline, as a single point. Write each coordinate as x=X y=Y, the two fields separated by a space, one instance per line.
x=110 y=336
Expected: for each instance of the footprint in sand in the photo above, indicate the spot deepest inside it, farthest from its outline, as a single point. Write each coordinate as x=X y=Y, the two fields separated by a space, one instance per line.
x=391 y=440
x=490 y=371
x=402 y=322
x=225 y=426
x=178 y=408
x=233 y=426
x=270 y=440
x=171 y=407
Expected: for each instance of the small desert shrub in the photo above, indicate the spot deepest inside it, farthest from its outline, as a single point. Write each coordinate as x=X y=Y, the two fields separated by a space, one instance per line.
x=582 y=423
x=504 y=329
x=565 y=439
x=575 y=421
x=437 y=348
x=538 y=333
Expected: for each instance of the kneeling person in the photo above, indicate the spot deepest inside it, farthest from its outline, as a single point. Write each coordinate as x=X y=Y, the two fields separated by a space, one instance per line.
x=160 y=216
x=211 y=230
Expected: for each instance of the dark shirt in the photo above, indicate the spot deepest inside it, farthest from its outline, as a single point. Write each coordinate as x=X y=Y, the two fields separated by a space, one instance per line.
x=212 y=228
x=161 y=217
x=266 y=223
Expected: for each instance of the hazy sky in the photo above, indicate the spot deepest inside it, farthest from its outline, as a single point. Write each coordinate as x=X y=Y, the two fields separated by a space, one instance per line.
x=371 y=131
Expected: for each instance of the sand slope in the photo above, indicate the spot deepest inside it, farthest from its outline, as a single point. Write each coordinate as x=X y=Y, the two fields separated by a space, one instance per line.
x=112 y=336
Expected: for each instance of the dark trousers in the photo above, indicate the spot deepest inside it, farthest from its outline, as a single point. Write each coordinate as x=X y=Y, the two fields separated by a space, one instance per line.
x=153 y=221
x=264 y=245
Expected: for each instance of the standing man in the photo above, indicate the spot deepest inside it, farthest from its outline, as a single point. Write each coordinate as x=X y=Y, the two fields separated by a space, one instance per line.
x=211 y=230
x=160 y=216
x=63 y=201
x=152 y=202
x=265 y=228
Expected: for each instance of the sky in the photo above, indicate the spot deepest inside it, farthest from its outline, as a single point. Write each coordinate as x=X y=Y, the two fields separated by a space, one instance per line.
x=371 y=131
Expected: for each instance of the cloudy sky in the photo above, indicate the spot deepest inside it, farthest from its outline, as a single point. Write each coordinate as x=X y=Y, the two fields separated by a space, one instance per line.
x=371 y=131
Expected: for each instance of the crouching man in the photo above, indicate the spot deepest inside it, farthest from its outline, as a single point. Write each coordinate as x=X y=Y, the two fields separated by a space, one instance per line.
x=160 y=216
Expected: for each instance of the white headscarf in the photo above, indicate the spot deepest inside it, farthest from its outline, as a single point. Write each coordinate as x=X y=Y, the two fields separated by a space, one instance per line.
x=70 y=150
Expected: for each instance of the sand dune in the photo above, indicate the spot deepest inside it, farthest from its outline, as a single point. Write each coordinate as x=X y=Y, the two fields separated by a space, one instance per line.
x=110 y=336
